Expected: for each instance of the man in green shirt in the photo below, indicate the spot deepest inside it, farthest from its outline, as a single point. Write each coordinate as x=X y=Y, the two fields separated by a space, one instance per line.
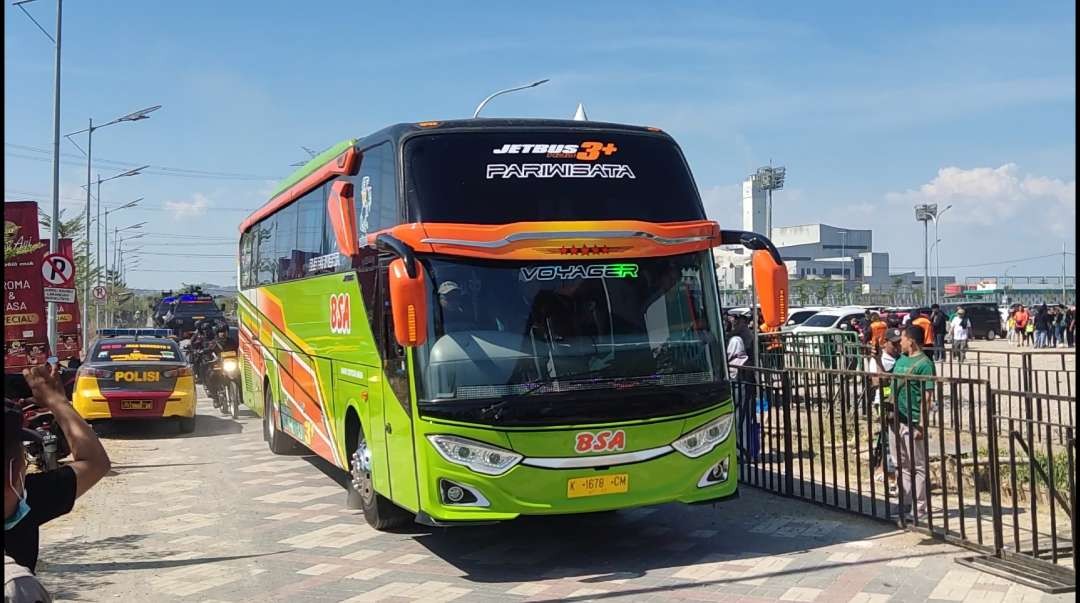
x=911 y=393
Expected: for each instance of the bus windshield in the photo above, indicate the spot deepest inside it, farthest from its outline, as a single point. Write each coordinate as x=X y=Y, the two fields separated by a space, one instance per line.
x=502 y=328
x=535 y=175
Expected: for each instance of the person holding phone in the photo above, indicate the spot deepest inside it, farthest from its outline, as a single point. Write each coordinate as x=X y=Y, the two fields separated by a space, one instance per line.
x=33 y=500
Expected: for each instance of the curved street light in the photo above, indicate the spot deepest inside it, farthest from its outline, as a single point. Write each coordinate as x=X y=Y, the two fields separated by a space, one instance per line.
x=937 y=262
x=491 y=96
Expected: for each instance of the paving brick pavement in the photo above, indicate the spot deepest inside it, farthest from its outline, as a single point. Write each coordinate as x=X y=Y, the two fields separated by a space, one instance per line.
x=199 y=518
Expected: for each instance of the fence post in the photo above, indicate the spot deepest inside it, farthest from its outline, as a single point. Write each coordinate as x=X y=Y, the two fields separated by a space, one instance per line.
x=789 y=462
x=995 y=475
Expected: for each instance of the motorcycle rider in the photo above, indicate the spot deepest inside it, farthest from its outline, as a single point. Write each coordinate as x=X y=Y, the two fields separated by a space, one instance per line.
x=35 y=499
x=215 y=350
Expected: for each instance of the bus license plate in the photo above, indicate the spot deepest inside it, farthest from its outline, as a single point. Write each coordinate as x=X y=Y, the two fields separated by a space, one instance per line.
x=136 y=405
x=595 y=486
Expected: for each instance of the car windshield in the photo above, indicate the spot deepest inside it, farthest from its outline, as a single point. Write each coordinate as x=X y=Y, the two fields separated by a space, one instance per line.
x=821 y=320
x=196 y=308
x=798 y=318
x=514 y=328
x=141 y=351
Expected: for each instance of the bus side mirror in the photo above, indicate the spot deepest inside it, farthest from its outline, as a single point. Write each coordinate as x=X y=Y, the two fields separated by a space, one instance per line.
x=408 y=301
x=342 y=213
x=771 y=282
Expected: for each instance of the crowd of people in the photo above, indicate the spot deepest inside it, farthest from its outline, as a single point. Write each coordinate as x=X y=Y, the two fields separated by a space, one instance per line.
x=1042 y=326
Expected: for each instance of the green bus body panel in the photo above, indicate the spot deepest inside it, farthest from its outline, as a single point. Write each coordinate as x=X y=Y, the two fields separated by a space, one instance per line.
x=526 y=490
x=315 y=163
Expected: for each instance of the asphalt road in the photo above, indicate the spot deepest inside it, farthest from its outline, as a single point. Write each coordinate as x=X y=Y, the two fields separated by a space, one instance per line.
x=214 y=516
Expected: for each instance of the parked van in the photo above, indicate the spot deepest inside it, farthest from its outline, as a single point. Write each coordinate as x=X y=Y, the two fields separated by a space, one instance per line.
x=984 y=316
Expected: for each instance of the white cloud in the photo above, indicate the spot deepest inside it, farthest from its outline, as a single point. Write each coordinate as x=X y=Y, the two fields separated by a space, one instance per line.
x=986 y=196
x=197 y=206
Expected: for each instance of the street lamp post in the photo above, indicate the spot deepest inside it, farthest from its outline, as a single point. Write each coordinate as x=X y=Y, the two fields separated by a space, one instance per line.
x=924 y=213
x=100 y=180
x=136 y=116
x=843 y=263
x=515 y=89
x=105 y=246
x=118 y=261
x=54 y=237
x=937 y=260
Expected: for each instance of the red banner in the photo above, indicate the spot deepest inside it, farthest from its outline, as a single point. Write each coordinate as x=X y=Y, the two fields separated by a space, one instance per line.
x=68 y=319
x=25 y=331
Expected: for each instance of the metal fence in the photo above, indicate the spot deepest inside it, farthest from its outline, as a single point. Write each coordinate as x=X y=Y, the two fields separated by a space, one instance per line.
x=979 y=471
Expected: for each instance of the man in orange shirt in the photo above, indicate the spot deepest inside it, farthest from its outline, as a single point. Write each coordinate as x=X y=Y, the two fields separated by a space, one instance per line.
x=877 y=330
x=1021 y=319
x=923 y=323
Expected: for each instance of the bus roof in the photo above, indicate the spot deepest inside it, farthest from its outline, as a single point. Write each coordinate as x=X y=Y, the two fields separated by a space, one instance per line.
x=400 y=131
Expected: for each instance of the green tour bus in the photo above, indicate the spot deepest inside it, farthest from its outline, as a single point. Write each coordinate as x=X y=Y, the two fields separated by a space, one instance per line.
x=486 y=318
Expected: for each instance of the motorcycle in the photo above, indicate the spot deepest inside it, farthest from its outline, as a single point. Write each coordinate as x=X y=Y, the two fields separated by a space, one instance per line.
x=53 y=446
x=223 y=383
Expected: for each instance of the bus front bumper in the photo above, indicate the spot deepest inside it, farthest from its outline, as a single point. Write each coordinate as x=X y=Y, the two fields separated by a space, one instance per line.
x=530 y=490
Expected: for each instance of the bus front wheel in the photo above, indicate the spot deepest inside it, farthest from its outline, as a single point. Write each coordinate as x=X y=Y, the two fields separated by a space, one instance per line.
x=278 y=441
x=379 y=512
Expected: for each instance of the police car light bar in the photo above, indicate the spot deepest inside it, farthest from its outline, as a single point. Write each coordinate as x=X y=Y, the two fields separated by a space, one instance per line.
x=134 y=332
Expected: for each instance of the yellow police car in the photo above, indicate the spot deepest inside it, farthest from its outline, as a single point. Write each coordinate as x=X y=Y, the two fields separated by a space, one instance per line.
x=136 y=374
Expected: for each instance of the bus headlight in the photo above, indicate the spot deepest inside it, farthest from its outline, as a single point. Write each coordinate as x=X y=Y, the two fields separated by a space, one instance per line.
x=481 y=458
x=229 y=365
x=702 y=440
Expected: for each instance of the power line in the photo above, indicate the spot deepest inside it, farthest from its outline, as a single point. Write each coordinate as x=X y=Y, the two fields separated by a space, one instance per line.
x=82 y=202
x=1035 y=257
x=173 y=171
x=187 y=255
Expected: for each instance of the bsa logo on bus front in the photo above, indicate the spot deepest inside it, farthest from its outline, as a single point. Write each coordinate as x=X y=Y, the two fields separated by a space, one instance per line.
x=601 y=441
x=340 y=319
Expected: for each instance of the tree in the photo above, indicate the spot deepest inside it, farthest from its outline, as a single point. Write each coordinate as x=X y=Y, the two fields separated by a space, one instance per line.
x=800 y=292
x=823 y=291
x=73 y=229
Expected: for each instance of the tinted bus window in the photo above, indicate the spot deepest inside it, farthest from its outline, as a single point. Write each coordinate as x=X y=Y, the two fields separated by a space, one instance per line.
x=505 y=176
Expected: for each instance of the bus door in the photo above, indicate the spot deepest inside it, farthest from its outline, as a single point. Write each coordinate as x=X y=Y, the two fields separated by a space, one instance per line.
x=397 y=401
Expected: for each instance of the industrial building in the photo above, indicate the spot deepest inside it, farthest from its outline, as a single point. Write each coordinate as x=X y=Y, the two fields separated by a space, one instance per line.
x=814 y=251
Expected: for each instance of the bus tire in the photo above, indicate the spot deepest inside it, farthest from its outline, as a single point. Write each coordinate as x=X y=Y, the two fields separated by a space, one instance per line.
x=279 y=441
x=379 y=512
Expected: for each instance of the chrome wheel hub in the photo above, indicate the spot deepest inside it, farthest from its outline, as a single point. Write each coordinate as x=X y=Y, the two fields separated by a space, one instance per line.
x=360 y=472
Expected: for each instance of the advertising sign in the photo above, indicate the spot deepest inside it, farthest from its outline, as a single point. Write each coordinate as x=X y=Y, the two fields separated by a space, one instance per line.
x=25 y=336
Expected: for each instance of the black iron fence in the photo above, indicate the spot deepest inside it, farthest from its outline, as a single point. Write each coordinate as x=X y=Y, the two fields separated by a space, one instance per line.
x=951 y=456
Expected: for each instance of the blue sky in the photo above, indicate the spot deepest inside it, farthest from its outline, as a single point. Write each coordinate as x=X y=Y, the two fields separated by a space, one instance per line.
x=871 y=111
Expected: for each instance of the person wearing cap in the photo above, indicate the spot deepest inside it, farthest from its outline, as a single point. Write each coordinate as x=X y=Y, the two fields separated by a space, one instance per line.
x=960 y=330
x=33 y=500
x=452 y=301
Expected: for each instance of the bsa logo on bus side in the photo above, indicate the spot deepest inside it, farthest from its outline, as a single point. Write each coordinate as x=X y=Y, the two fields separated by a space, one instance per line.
x=340 y=319
x=600 y=441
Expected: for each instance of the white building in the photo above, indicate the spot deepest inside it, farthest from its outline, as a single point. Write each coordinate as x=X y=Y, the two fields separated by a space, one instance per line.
x=811 y=251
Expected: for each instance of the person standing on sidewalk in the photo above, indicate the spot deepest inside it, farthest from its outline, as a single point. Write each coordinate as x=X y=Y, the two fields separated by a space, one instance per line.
x=960 y=330
x=1042 y=326
x=1020 y=319
x=911 y=392
x=939 y=322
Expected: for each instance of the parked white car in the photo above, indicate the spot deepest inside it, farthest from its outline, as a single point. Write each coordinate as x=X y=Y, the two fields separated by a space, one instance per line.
x=831 y=320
